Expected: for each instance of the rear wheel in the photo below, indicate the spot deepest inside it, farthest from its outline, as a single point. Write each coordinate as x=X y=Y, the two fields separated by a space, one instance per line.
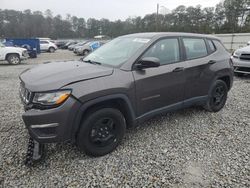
x=101 y=131
x=217 y=96
x=13 y=59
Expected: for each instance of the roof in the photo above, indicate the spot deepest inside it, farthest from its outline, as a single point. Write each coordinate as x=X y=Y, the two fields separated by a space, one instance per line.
x=166 y=34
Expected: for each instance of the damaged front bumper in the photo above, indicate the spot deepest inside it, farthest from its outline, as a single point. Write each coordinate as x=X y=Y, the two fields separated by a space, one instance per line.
x=52 y=125
x=48 y=126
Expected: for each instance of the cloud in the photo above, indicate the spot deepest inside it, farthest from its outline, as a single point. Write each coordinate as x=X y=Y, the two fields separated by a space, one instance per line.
x=111 y=9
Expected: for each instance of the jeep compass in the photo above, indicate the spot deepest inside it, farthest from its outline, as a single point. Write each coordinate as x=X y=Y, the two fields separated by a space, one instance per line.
x=92 y=101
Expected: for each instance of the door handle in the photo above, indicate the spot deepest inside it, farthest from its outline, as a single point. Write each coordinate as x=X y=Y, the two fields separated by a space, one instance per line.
x=211 y=62
x=178 y=69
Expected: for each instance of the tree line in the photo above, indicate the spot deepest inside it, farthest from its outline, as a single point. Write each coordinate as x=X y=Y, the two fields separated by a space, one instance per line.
x=229 y=16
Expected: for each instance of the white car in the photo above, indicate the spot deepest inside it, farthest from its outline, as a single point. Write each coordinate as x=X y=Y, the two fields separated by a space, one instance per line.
x=47 y=46
x=241 y=61
x=13 y=55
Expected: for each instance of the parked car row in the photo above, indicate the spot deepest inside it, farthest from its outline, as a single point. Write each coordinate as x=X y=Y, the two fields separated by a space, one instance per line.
x=83 y=47
x=87 y=47
x=15 y=49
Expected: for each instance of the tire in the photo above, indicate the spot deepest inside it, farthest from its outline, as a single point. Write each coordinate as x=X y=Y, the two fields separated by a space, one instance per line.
x=13 y=59
x=52 y=49
x=217 y=96
x=101 y=131
x=33 y=55
x=85 y=52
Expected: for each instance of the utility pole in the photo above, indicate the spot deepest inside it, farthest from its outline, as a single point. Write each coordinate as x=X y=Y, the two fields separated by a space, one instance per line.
x=157 y=17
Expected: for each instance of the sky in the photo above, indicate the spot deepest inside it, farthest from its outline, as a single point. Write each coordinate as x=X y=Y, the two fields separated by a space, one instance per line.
x=110 y=9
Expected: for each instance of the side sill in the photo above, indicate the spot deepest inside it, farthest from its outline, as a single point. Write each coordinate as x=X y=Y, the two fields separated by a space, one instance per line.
x=173 y=107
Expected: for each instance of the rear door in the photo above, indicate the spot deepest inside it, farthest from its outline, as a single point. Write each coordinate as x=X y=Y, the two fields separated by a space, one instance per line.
x=161 y=87
x=199 y=60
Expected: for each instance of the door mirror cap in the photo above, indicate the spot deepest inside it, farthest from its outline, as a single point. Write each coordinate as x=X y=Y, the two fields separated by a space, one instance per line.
x=147 y=62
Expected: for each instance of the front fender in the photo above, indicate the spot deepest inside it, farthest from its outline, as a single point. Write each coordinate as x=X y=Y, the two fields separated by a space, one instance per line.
x=83 y=109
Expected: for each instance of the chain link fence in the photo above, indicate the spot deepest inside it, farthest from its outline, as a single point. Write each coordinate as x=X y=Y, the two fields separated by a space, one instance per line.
x=235 y=40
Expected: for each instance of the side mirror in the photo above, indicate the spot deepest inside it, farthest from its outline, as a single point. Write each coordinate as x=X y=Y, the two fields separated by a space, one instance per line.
x=147 y=62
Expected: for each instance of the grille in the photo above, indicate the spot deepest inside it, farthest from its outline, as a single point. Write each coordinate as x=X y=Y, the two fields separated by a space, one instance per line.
x=245 y=57
x=243 y=69
x=25 y=94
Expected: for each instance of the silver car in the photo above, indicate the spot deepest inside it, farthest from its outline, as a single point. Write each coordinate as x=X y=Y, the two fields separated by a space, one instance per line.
x=241 y=61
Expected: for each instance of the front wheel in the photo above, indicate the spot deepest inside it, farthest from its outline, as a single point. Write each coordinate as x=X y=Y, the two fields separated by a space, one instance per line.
x=101 y=131
x=13 y=59
x=52 y=50
x=85 y=52
x=217 y=96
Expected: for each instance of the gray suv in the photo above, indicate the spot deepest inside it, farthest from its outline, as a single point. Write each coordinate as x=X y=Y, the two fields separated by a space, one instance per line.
x=91 y=102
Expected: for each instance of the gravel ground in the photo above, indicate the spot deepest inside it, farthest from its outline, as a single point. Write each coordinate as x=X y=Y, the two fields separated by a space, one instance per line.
x=188 y=148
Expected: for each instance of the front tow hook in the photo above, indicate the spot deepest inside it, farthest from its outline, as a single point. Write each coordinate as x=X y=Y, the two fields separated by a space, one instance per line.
x=35 y=152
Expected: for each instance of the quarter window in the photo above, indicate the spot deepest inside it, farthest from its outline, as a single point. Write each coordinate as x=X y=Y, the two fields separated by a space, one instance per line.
x=166 y=50
x=211 y=46
x=195 y=48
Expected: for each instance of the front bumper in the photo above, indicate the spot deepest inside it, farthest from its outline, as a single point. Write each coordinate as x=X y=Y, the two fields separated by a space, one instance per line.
x=24 y=55
x=52 y=125
x=241 y=66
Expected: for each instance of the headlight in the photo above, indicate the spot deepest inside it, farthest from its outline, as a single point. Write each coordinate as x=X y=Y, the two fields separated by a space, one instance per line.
x=236 y=54
x=51 y=98
x=25 y=53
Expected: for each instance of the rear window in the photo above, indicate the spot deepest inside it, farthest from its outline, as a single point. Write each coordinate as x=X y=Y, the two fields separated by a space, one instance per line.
x=195 y=48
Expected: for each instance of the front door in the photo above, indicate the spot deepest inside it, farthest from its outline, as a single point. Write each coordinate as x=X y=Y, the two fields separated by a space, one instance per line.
x=44 y=45
x=161 y=87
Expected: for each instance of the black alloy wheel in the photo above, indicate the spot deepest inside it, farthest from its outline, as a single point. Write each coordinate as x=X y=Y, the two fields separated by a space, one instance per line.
x=217 y=96
x=101 y=131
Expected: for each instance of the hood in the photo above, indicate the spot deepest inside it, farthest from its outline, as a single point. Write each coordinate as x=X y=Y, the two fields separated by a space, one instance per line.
x=15 y=48
x=243 y=50
x=52 y=76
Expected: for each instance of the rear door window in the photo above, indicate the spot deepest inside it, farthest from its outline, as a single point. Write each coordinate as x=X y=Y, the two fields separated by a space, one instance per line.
x=195 y=48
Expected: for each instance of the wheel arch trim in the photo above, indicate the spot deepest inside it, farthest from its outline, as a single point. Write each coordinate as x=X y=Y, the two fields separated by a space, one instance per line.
x=11 y=53
x=85 y=106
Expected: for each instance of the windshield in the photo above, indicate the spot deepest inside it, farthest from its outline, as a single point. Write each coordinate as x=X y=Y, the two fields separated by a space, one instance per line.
x=117 y=51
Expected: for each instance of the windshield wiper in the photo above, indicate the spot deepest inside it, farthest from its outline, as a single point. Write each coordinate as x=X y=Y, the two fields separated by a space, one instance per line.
x=91 y=62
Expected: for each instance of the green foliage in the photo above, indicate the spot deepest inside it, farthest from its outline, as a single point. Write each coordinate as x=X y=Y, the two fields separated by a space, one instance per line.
x=227 y=17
